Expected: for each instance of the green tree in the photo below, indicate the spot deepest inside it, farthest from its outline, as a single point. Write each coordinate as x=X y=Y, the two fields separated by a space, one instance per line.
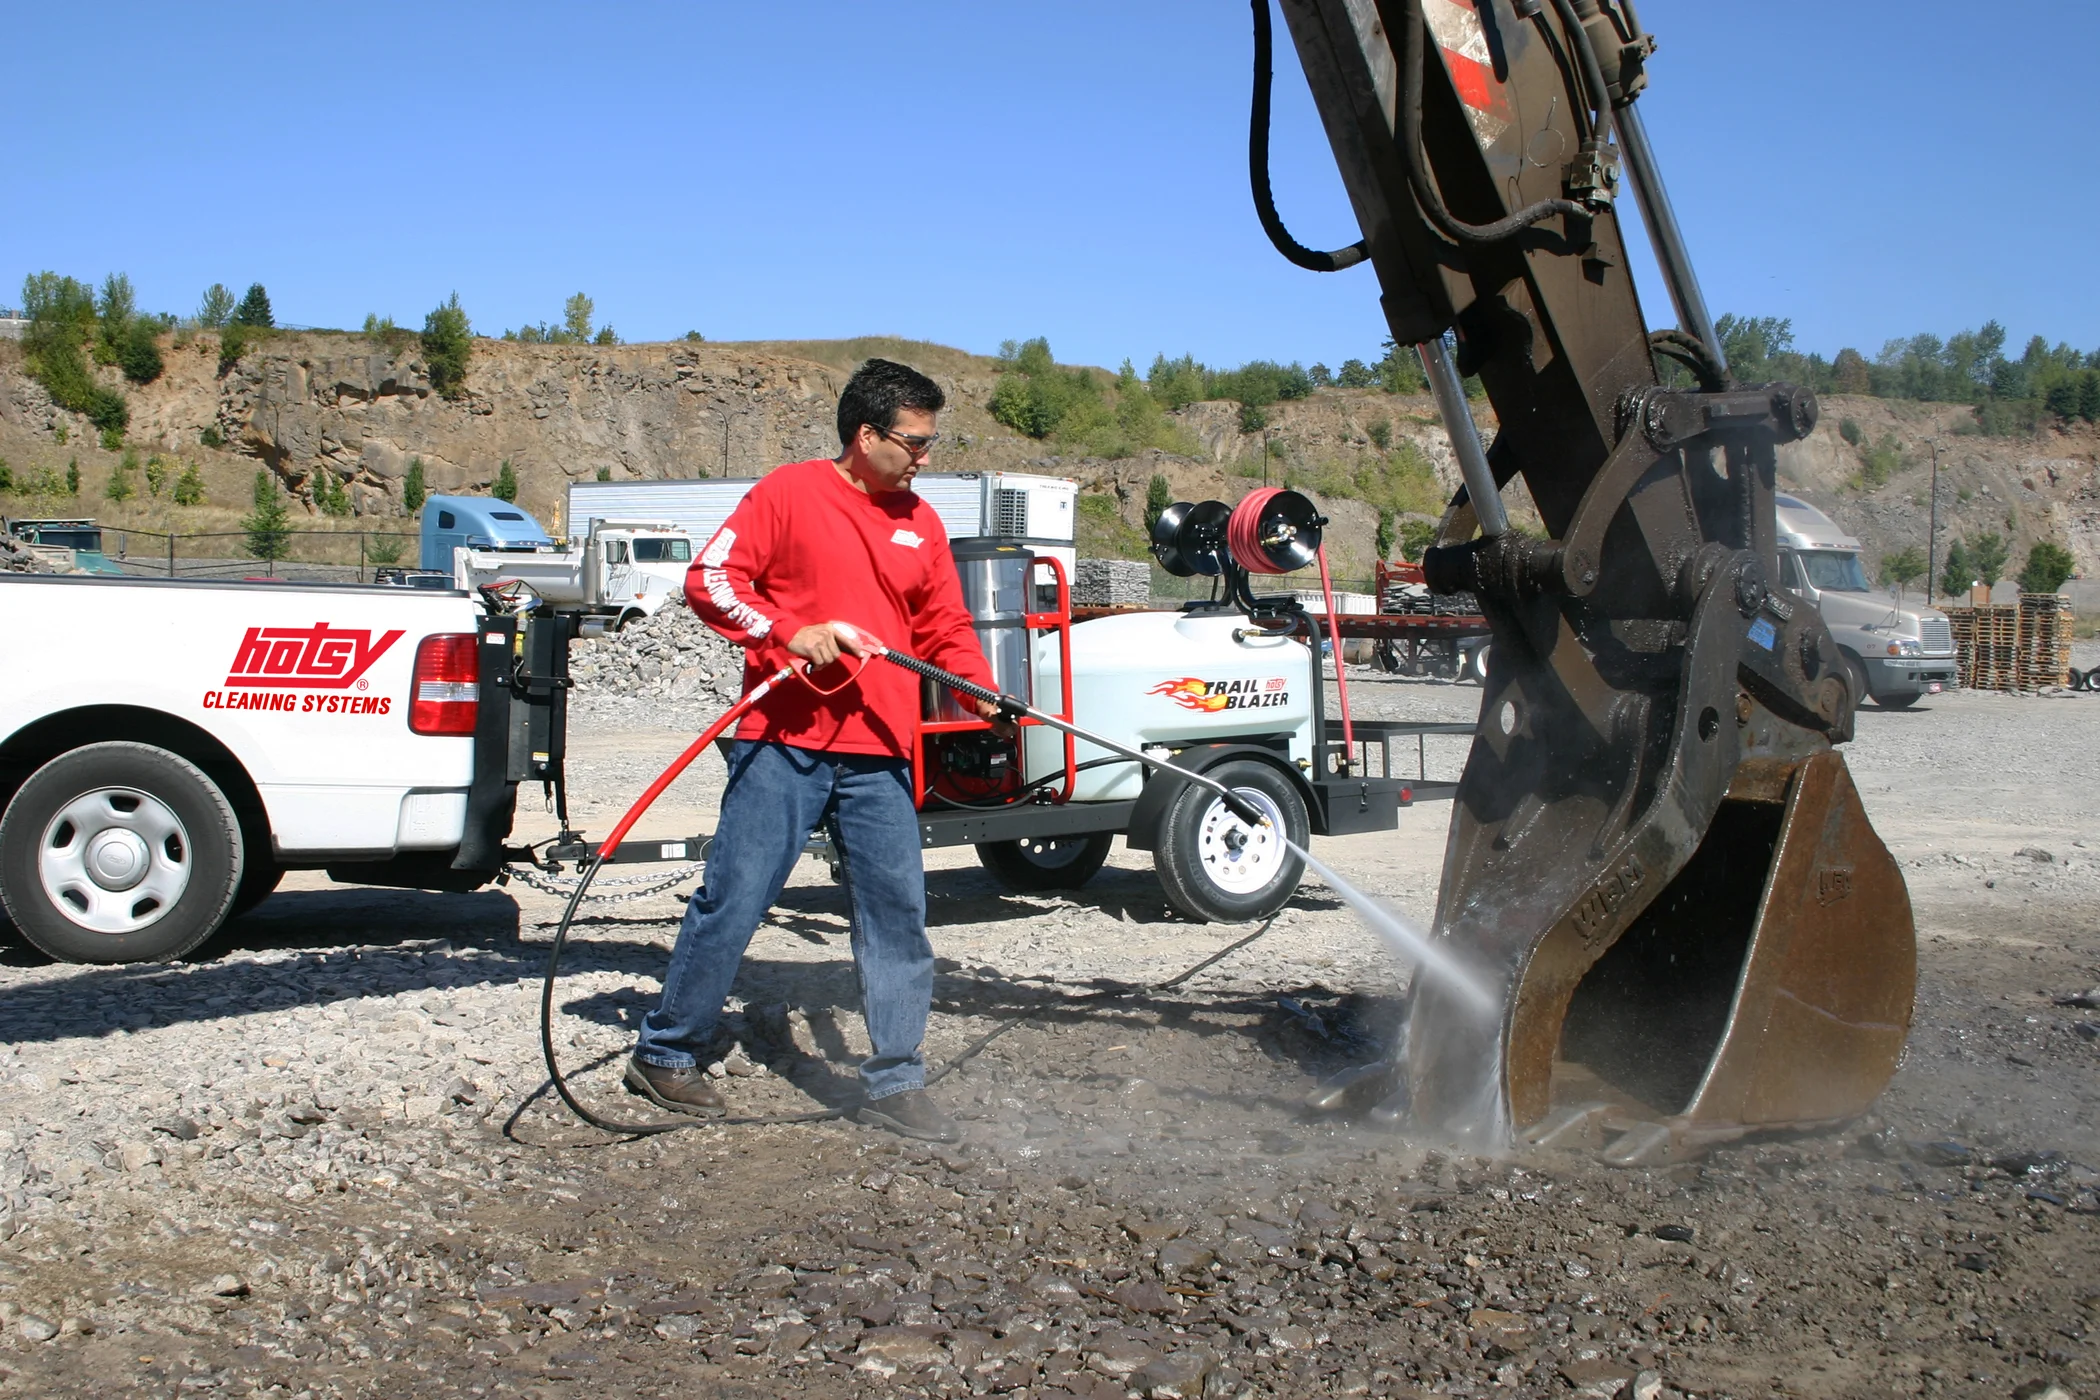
x=413 y=491
x=254 y=310
x=606 y=336
x=384 y=549
x=2048 y=566
x=1850 y=432
x=576 y=318
x=234 y=341
x=1849 y=373
x=269 y=524
x=1987 y=555
x=1159 y=494
x=1400 y=371
x=189 y=487
x=73 y=477
x=1253 y=418
x=1380 y=431
x=1383 y=539
x=1903 y=567
x=62 y=316
x=157 y=469
x=138 y=354
x=1355 y=374
x=448 y=341
x=377 y=325
x=120 y=486
x=331 y=496
x=506 y=487
x=216 y=307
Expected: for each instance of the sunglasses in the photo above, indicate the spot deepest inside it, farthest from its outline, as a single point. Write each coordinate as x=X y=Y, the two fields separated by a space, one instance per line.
x=916 y=444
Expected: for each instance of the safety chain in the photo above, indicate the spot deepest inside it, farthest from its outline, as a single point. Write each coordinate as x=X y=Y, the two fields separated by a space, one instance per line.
x=633 y=887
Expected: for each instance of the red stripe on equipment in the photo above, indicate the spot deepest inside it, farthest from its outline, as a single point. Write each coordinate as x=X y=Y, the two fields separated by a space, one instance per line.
x=1475 y=81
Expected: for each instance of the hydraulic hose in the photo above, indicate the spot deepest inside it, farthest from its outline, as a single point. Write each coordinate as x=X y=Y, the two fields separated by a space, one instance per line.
x=1412 y=63
x=1258 y=165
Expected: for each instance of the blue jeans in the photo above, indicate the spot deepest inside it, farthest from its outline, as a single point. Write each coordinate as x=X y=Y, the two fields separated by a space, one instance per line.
x=777 y=795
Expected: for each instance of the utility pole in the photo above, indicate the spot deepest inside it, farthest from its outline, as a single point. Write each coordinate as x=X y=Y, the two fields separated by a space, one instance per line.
x=1264 y=457
x=1932 y=529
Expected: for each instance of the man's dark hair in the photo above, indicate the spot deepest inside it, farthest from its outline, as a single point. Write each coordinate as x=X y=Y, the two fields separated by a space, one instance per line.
x=878 y=391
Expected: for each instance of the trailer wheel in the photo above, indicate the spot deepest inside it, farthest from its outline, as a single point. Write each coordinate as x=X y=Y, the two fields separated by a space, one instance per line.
x=1216 y=870
x=1040 y=863
x=117 y=853
x=1476 y=659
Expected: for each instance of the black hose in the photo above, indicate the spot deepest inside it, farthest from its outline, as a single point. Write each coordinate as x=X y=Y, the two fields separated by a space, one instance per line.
x=1258 y=166
x=1413 y=60
x=1592 y=71
x=1694 y=354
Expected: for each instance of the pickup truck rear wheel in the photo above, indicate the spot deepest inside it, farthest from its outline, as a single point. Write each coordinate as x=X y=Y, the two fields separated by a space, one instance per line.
x=1213 y=868
x=117 y=853
x=1040 y=863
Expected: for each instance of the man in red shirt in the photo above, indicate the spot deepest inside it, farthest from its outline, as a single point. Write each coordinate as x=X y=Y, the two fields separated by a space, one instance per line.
x=812 y=546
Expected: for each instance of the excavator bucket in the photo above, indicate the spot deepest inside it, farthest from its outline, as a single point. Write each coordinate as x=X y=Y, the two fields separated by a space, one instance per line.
x=1658 y=868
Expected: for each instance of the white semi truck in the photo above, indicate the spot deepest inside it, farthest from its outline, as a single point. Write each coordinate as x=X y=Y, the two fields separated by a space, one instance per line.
x=617 y=571
x=1895 y=652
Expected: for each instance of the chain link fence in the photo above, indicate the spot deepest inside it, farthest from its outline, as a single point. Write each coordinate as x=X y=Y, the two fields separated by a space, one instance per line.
x=324 y=556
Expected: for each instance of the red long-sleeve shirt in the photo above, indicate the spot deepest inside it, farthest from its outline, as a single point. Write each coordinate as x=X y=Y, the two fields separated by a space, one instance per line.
x=805 y=546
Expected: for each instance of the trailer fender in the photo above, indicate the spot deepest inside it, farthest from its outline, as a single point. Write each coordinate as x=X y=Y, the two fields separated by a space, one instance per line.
x=1161 y=788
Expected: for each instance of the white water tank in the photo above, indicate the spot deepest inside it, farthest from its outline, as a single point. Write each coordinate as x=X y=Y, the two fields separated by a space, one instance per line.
x=1170 y=679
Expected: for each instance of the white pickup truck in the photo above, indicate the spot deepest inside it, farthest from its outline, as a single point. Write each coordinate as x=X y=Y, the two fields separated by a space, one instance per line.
x=169 y=748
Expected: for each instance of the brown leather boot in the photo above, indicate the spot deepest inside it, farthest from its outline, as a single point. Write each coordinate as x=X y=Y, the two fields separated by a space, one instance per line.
x=686 y=1090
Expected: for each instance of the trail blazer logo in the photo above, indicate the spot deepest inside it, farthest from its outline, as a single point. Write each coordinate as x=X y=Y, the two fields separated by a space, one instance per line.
x=272 y=664
x=1208 y=697
x=906 y=537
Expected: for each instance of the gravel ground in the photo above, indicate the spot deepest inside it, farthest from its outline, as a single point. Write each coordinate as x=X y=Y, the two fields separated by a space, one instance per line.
x=319 y=1159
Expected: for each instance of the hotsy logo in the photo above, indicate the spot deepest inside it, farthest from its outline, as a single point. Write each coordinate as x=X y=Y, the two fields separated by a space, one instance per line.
x=319 y=657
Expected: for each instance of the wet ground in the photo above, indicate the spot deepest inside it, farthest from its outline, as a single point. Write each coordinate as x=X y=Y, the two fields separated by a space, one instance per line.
x=320 y=1159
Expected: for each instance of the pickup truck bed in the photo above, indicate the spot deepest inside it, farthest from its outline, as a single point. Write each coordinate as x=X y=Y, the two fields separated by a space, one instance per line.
x=169 y=747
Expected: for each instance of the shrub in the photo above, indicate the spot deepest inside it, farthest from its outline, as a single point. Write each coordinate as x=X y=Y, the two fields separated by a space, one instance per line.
x=138 y=355
x=506 y=487
x=2048 y=566
x=447 y=342
x=384 y=549
x=1383 y=539
x=605 y=474
x=211 y=436
x=157 y=469
x=605 y=336
x=377 y=325
x=1881 y=461
x=695 y=337
x=268 y=525
x=189 y=487
x=413 y=491
x=1175 y=384
x=254 y=310
x=112 y=439
x=1381 y=434
x=73 y=476
x=7 y=476
x=1416 y=536
x=1253 y=418
x=1850 y=432
x=233 y=343
x=1103 y=534
x=215 y=309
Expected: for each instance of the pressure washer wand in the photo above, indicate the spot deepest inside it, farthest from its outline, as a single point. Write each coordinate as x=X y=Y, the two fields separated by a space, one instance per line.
x=1012 y=707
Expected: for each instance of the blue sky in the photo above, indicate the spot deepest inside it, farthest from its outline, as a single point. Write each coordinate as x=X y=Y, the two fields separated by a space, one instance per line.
x=971 y=172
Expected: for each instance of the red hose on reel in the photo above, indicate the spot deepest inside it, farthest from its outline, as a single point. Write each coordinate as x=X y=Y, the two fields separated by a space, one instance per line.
x=1264 y=542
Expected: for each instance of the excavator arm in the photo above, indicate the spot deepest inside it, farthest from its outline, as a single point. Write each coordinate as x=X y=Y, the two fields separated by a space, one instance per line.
x=1656 y=855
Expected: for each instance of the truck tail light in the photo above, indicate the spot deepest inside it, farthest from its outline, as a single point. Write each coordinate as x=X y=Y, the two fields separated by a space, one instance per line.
x=447 y=695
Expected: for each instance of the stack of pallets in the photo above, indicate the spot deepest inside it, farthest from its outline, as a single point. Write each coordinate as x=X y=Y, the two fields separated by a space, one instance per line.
x=2013 y=646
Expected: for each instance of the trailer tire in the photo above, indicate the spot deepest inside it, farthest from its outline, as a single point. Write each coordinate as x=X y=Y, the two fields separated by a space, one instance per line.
x=1477 y=663
x=1212 y=868
x=1038 y=863
x=119 y=853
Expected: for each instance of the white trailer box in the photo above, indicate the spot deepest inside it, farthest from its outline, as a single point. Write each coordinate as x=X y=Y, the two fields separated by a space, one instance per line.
x=1039 y=511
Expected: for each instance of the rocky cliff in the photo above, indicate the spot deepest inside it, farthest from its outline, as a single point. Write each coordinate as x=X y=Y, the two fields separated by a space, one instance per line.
x=362 y=409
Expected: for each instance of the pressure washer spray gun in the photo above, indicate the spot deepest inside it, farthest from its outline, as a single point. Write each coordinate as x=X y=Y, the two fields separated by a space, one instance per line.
x=819 y=679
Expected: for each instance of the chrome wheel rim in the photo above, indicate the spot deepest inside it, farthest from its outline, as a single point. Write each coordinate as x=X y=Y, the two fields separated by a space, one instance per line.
x=1235 y=858
x=114 y=860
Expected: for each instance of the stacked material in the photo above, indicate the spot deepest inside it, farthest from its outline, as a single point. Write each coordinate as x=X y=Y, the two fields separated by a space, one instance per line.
x=2014 y=646
x=1111 y=583
x=1415 y=599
